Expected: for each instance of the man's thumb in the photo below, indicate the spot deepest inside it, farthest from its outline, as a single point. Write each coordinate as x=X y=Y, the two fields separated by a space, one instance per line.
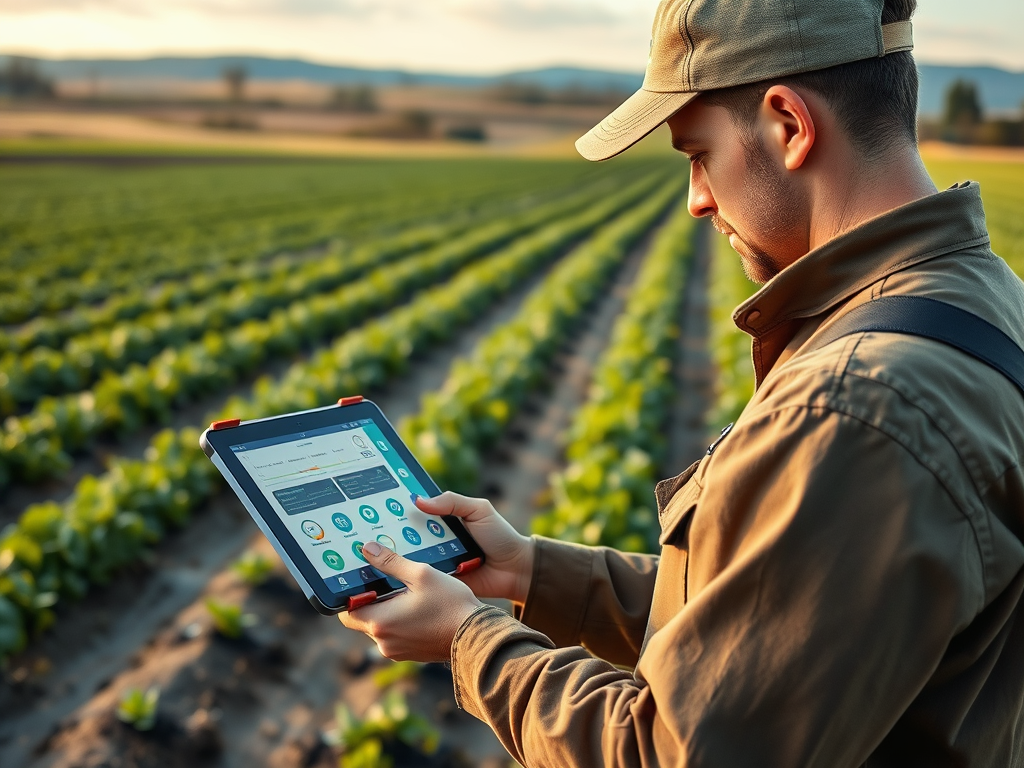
x=392 y=564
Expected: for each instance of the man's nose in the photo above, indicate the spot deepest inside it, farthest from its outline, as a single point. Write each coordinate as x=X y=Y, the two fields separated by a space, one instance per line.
x=700 y=201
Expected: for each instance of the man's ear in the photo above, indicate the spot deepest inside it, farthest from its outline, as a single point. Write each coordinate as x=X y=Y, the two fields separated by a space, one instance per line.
x=790 y=127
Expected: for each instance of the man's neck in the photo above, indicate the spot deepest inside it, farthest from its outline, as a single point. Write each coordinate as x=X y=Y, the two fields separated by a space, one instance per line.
x=864 y=191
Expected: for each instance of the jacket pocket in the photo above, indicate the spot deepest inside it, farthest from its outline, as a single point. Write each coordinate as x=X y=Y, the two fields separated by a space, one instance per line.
x=666 y=489
x=675 y=518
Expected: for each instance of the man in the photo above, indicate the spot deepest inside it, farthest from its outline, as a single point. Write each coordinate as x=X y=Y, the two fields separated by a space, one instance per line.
x=841 y=577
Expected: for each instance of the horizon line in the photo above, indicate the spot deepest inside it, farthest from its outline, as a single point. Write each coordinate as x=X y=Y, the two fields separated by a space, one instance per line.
x=407 y=69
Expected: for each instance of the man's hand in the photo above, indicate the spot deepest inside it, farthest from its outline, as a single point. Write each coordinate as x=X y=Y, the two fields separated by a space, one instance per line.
x=417 y=625
x=508 y=567
x=420 y=624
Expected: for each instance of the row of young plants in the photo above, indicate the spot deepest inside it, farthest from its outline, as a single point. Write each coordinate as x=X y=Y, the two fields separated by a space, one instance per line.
x=39 y=444
x=180 y=257
x=56 y=550
x=147 y=303
x=144 y=301
x=459 y=422
x=63 y=252
x=44 y=370
x=730 y=346
x=617 y=440
x=72 y=364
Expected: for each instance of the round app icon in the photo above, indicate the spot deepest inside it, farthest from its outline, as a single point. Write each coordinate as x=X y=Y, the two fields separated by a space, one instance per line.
x=313 y=530
x=342 y=522
x=395 y=507
x=369 y=514
x=435 y=528
x=412 y=536
x=334 y=560
x=387 y=541
x=357 y=550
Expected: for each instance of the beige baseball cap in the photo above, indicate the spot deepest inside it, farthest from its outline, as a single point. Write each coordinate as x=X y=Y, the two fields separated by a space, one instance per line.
x=701 y=45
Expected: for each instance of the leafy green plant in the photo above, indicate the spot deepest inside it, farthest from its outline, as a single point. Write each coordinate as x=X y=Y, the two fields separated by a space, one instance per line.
x=364 y=741
x=115 y=335
x=482 y=391
x=396 y=673
x=229 y=620
x=254 y=568
x=730 y=346
x=616 y=442
x=111 y=520
x=109 y=239
x=39 y=444
x=138 y=708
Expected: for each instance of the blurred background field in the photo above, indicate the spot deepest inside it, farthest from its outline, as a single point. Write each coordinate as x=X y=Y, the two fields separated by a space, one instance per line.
x=196 y=236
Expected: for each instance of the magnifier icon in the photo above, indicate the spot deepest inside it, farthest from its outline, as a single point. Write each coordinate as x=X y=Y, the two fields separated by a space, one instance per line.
x=359 y=442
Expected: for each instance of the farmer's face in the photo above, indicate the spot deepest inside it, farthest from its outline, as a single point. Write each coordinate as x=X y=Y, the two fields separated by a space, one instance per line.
x=737 y=180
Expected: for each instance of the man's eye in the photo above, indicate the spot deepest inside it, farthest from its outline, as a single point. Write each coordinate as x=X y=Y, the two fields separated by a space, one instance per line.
x=697 y=158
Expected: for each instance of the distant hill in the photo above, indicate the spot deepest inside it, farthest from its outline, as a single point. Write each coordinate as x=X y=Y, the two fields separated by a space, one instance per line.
x=263 y=68
x=1000 y=90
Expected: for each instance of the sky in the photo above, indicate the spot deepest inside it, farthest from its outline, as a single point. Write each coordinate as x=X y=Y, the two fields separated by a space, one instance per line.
x=464 y=36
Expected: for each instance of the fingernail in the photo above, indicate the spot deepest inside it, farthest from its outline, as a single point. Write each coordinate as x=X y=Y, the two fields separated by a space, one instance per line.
x=415 y=497
x=372 y=548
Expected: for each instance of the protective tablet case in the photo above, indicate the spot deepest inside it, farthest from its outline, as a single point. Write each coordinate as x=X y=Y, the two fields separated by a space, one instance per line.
x=355 y=601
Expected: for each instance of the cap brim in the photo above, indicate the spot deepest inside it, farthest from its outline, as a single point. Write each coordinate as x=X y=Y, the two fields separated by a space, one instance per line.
x=634 y=119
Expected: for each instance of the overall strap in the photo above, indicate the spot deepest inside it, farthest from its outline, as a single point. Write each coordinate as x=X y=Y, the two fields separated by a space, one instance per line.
x=932 y=319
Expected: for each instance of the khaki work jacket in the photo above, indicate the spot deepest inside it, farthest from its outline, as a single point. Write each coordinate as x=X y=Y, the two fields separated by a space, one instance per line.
x=840 y=582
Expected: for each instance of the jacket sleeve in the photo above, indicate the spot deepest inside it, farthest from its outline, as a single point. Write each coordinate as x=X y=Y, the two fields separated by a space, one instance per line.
x=591 y=596
x=828 y=571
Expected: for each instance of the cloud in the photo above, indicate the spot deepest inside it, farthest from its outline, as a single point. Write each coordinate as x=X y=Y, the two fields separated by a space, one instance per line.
x=539 y=14
x=516 y=14
x=939 y=42
x=33 y=7
x=297 y=8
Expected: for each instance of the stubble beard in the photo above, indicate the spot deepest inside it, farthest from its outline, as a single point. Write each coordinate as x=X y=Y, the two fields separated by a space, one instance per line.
x=773 y=203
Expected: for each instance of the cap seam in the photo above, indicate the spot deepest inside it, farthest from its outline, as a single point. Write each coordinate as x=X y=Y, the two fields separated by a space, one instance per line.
x=794 y=22
x=688 y=63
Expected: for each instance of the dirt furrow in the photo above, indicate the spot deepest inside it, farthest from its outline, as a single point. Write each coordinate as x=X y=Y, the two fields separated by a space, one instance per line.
x=695 y=368
x=264 y=699
x=95 y=639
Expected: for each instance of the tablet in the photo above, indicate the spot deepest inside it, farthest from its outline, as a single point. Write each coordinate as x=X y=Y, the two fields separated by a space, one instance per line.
x=321 y=483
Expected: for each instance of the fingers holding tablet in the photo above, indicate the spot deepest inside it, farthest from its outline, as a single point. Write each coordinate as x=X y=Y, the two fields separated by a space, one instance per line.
x=420 y=623
x=508 y=569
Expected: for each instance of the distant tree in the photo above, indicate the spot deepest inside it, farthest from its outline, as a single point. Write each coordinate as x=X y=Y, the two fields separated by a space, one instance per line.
x=473 y=132
x=521 y=92
x=235 y=77
x=963 y=112
x=359 y=98
x=415 y=124
x=21 y=78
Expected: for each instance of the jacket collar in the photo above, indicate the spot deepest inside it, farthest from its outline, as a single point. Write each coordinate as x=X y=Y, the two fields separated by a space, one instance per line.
x=828 y=276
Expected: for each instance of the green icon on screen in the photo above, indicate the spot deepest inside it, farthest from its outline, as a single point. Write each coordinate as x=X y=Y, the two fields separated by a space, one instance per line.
x=369 y=514
x=333 y=560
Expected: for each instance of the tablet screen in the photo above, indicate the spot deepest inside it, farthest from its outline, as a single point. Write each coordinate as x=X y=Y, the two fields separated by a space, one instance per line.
x=338 y=487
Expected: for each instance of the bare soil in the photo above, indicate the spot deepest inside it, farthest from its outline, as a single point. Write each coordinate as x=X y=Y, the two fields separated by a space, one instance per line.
x=96 y=638
x=265 y=698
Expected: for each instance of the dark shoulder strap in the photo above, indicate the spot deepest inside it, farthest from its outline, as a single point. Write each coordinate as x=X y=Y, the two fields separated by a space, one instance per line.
x=932 y=319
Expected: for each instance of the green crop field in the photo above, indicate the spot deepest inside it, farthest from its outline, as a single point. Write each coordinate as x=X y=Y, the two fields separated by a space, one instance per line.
x=521 y=320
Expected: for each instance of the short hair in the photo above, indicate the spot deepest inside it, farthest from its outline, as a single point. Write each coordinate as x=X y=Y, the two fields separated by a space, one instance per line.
x=874 y=100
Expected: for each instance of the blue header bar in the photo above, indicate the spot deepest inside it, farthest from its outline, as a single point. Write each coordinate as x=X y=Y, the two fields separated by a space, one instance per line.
x=300 y=436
